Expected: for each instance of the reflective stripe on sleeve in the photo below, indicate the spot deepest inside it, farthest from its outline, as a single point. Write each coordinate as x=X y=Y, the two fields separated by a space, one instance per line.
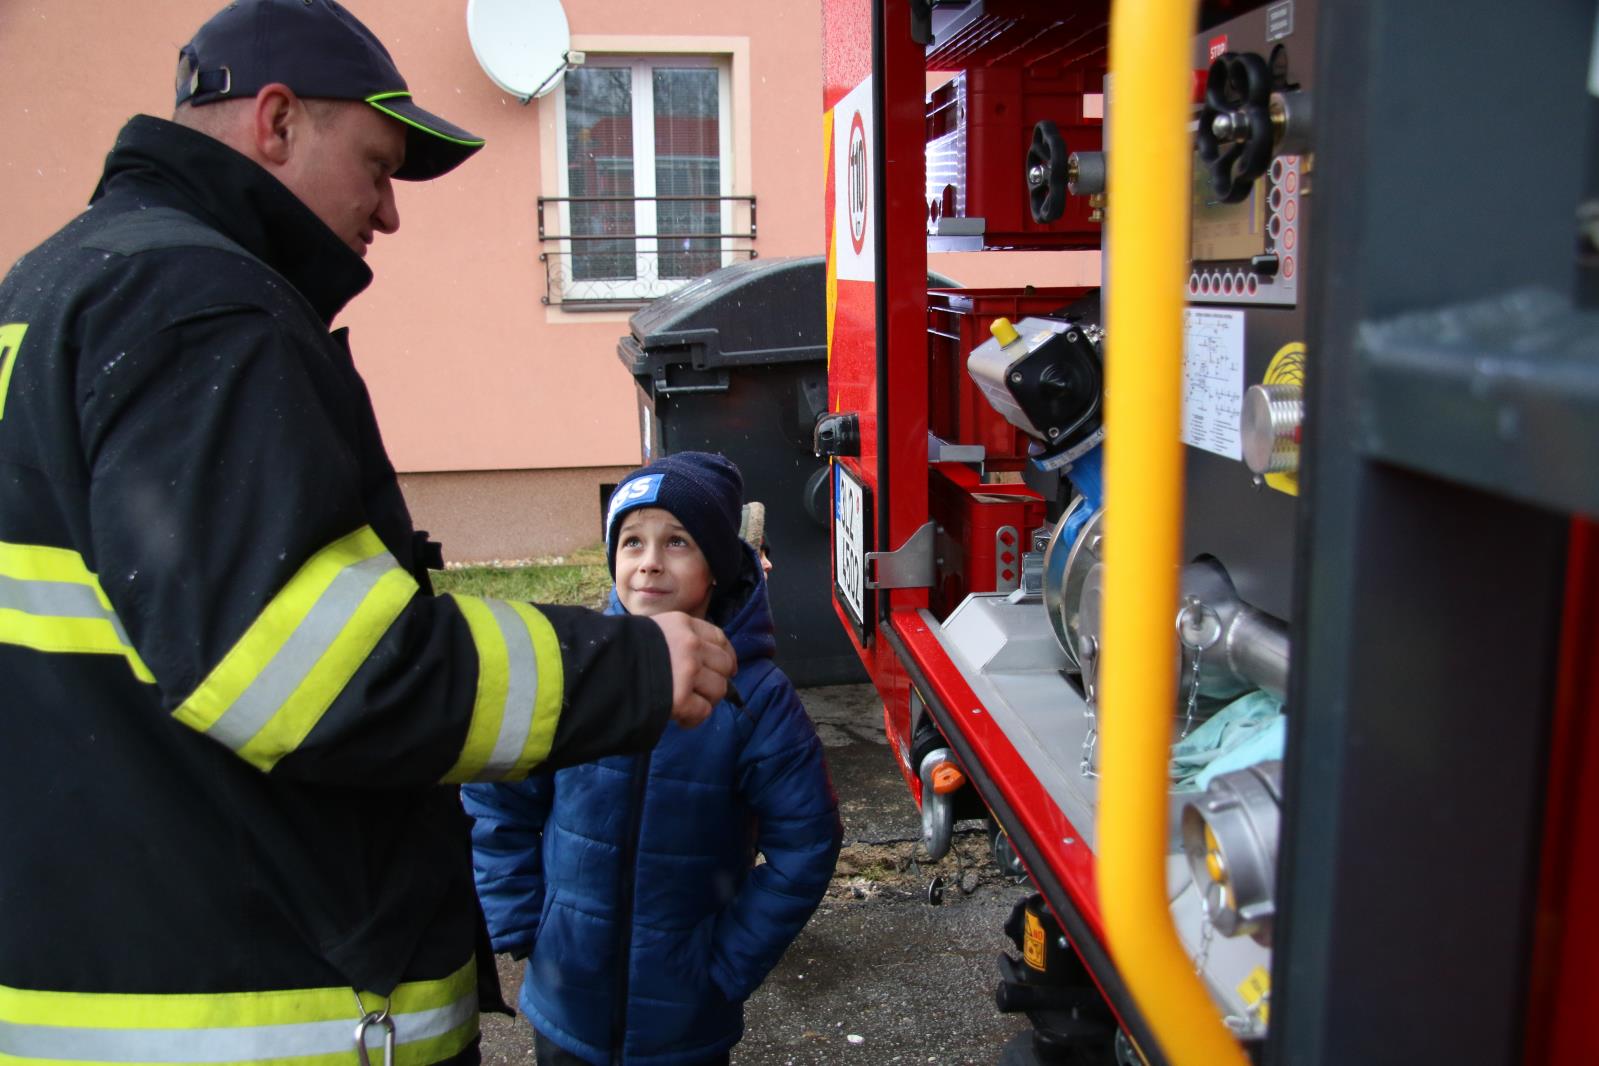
x=433 y=1020
x=50 y=601
x=277 y=681
x=519 y=690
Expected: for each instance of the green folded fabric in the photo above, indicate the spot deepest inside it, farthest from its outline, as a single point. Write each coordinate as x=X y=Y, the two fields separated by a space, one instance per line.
x=1248 y=730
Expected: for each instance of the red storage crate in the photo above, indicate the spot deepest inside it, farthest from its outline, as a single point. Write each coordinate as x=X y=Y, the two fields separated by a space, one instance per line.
x=983 y=531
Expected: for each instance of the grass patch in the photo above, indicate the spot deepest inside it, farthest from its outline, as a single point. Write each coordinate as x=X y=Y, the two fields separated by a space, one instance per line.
x=579 y=579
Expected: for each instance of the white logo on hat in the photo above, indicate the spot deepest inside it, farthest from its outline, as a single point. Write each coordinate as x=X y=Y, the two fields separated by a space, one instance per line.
x=640 y=490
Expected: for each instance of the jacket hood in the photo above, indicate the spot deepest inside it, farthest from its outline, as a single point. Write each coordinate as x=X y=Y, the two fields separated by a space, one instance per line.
x=156 y=163
x=747 y=620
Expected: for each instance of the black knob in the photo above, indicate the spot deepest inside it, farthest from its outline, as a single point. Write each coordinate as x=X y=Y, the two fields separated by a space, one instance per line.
x=1047 y=172
x=1263 y=265
x=1235 y=138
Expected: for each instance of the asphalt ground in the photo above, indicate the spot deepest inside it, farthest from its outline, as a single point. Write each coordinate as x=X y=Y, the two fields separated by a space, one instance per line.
x=879 y=975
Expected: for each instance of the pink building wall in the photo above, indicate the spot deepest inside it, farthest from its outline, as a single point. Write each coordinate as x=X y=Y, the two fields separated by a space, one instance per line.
x=502 y=414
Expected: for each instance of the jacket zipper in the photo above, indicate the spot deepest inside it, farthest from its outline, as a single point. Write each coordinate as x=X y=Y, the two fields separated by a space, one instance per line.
x=629 y=868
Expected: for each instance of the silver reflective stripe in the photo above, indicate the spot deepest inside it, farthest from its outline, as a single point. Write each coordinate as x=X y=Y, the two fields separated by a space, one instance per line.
x=54 y=599
x=57 y=599
x=122 y=634
x=244 y=1044
x=310 y=640
x=522 y=689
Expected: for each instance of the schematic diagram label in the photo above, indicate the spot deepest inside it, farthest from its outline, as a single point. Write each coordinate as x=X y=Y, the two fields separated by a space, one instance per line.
x=1213 y=381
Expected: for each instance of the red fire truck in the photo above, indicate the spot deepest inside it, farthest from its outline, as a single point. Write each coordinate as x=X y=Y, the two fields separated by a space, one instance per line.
x=1298 y=747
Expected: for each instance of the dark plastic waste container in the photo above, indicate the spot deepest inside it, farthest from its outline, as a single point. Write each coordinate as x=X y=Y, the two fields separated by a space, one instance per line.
x=736 y=362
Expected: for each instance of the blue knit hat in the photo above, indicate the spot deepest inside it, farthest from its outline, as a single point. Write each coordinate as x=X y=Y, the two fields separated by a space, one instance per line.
x=702 y=490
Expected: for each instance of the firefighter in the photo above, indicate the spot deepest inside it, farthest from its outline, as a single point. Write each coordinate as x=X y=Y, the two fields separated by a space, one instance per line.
x=232 y=704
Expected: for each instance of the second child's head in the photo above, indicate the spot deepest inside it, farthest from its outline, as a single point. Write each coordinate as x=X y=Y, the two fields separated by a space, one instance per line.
x=672 y=534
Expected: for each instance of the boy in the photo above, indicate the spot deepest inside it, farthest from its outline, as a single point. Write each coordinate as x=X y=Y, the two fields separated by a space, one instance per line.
x=629 y=883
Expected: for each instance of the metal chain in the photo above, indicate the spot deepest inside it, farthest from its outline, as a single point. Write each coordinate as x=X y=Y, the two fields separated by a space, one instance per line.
x=1207 y=934
x=1238 y=1023
x=1090 y=741
x=1251 y=1021
x=1198 y=630
x=1193 y=694
x=1088 y=656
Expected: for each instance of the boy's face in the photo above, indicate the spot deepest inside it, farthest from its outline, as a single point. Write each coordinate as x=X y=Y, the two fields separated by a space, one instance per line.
x=659 y=568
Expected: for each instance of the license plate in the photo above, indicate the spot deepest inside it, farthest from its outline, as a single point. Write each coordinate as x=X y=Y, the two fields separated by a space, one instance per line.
x=851 y=526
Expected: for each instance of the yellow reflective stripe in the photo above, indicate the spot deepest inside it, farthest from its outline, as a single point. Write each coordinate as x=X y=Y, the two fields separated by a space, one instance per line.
x=37 y=562
x=277 y=681
x=421 y=1040
x=298 y=1027
x=519 y=691
x=488 y=706
x=10 y=343
x=284 y=732
x=45 y=574
x=69 y=636
x=423 y=1054
x=273 y=628
x=552 y=686
x=201 y=1010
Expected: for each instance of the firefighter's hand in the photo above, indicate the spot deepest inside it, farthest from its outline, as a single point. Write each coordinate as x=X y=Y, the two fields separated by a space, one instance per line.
x=702 y=662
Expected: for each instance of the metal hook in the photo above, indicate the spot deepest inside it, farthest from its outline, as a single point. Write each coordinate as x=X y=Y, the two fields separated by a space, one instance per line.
x=379 y=1018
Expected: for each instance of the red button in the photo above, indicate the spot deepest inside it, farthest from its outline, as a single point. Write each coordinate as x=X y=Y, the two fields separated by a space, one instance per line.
x=1288 y=267
x=1289 y=237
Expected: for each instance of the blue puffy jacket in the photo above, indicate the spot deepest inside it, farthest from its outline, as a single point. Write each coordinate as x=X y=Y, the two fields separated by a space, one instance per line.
x=649 y=858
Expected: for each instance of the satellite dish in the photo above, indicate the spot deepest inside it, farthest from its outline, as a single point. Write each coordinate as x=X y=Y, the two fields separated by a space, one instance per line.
x=524 y=46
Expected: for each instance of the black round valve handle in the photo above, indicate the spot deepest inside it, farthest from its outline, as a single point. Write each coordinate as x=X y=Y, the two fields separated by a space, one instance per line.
x=1047 y=172
x=1235 y=139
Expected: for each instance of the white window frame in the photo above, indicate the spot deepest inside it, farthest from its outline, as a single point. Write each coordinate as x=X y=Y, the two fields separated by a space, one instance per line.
x=646 y=285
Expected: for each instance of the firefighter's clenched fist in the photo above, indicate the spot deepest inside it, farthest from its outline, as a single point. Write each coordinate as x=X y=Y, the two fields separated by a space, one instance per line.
x=702 y=661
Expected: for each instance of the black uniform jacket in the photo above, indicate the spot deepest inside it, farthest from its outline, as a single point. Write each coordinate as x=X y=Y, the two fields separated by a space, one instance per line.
x=228 y=696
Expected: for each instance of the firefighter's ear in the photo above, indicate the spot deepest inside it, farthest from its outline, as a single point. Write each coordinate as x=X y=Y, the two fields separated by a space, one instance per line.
x=276 y=115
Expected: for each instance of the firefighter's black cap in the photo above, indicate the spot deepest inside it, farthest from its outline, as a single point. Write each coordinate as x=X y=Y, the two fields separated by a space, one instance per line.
x=321 y=51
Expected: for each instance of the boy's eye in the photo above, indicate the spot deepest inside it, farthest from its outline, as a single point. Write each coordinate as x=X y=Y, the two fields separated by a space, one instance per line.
x=630 y=542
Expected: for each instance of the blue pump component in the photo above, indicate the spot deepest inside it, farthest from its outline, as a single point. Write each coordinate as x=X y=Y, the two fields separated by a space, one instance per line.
x=1086 y=472
x=1087 y=475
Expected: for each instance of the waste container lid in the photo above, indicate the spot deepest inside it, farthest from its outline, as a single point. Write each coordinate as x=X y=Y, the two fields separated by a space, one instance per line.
x=759 y=310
